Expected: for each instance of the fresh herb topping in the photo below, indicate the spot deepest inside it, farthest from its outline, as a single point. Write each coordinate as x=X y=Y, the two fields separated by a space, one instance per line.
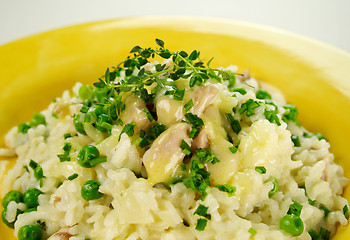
x=23 y=128
x=252 y=231
x=186 y=149
x=196 y=122
x=260 y=169
x=236 y=127
x=346 y=211
x=309 y=135
x=291 y=114
x=295 y=140
x=325 y=210
x=37 y=119
x=275 y=186
x=263 y=94
x=67 y=135
x=179 y=94
x=314 y=235
x=230 y=190
x=66 y=150
x=239 y=90
x=128 y=129
x=201 y=224
x=325 y=234
x=233 y=149
x=201 y=210
x=149 y=115
x=295 y=208
x=73 y=176
x=206 y=156
x=188 y=105
x=271 y=115
x=248 y=107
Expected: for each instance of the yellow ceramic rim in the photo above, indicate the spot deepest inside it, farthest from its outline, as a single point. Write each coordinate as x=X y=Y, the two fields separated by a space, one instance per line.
x=311 y=74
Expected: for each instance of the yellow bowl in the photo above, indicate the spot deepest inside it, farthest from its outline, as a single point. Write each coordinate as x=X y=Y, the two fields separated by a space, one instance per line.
x=312 y=75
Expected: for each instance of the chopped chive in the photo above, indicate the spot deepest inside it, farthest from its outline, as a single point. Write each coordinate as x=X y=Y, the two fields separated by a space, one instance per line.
x=239 y=90
x=186 y=149
x=54 y=115
x=149 y=115
x=296 y=140
x=169 y=92
x=295 y=208
x=37 y=119
x=229 y=189
x=67 y=135
x=262 y=94
x=84 y=109
x=128 y=129
x=346 y=211
x=260 y=169
x=73 y=176
x=32 y=164
x=325 y=210
x=325 y=234
x=63 y=158
x=179 y=94
x=248 y=107
x=275 y=186
x=201 y=224
x=272 y=116
x=291 y=114
x=188 y=105
x=23 y=128
x=233 y=149
x=201 y=210
x=236 y=127
x=314 y=235
x=252 y=231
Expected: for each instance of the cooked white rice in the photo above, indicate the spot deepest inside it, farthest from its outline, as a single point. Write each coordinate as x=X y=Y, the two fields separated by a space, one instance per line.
x=134 y=207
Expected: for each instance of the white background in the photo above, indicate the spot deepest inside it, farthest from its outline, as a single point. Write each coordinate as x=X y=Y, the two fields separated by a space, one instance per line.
x=325 y=20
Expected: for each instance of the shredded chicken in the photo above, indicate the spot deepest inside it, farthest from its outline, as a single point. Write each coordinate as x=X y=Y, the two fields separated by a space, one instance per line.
x=134 y=112
x=62 y=234
x=203 y=96
x=165 y=154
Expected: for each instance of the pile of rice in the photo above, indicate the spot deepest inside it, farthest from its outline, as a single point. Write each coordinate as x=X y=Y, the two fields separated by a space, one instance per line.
x=134 y=206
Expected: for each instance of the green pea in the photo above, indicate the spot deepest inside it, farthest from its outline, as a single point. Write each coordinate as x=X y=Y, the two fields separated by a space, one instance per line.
x=31 y=197
x=30 y=232
x=9 y=224
x=292 y=224
x=89 y=156
x=89 y=191
x=37 y=119
x=78 y=124
x=12 y=195
x=86 y=92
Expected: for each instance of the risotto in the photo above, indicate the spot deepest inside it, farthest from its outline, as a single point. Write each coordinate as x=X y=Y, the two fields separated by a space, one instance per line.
x=171 y=149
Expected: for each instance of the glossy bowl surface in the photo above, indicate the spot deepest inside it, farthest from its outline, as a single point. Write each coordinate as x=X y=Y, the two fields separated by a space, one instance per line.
x=312 y=75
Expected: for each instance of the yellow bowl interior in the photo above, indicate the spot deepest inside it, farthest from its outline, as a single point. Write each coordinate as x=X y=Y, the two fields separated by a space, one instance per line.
x=313 y=76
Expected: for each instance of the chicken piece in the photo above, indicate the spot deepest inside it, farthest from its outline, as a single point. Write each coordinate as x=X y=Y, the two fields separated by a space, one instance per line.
x=200 y=141
x=134 y=112
x=62 y=234
x=165 y=154
x=203 y=96
x=169 y=111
